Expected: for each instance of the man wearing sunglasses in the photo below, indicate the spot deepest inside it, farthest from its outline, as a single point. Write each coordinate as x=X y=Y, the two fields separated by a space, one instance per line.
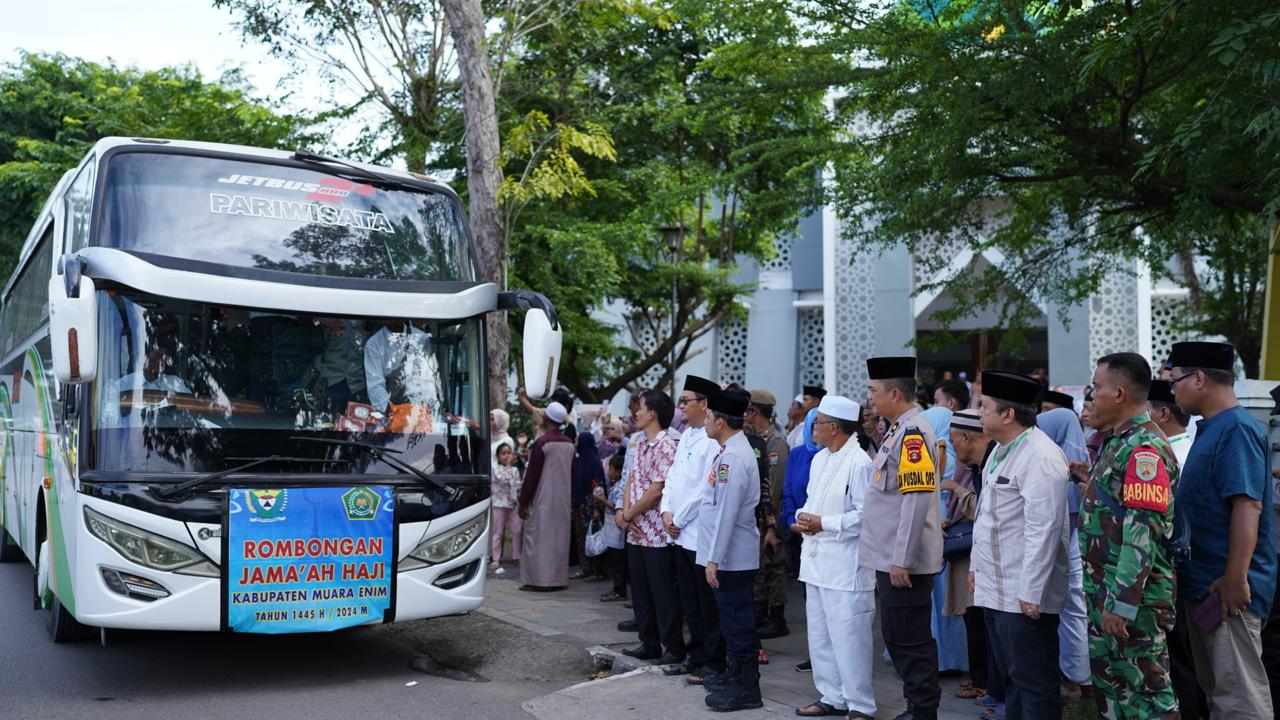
x=1225 y=496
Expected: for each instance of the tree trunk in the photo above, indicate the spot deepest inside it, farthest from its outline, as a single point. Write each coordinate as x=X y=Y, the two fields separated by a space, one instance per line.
x=466 y=28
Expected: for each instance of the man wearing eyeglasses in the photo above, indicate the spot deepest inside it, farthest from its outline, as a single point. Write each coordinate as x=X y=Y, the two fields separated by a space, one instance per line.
x=681 y=500
x=1225 y=497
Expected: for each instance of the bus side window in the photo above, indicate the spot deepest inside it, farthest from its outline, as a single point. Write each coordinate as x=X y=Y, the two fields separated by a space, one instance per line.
x=26 y=307
x=79 y=200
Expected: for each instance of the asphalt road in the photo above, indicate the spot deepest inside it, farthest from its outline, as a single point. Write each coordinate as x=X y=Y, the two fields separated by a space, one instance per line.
x=482 y=668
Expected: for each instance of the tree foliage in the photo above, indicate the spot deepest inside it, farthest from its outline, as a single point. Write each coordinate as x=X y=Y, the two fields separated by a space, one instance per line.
x=710 y=167
x=1065 y=137
x=54 y=107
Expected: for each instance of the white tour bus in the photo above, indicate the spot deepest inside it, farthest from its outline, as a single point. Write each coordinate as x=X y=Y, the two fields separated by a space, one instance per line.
x=245 y=390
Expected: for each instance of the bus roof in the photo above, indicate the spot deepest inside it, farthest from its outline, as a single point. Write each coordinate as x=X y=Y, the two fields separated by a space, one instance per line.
x=109 y=143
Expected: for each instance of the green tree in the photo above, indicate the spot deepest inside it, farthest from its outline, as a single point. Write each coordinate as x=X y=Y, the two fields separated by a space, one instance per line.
x=714 y=162
x=1065 y=136
x=54 y=107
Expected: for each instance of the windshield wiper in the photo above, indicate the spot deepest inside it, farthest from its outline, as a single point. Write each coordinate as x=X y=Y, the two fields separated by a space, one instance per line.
x=380 y=453
x=171 y=492
x=318 y=159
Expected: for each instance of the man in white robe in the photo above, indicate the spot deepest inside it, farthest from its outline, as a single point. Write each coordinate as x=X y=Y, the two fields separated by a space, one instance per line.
x=840 y=600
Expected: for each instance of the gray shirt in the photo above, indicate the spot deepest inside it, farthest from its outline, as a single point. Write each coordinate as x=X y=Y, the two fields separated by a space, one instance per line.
x=727 y=533
x=1021 y=534
x=901 y=520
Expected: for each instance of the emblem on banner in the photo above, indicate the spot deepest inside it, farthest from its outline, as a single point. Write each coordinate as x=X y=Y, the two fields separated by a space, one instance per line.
x=361 y=503
x=266 y=505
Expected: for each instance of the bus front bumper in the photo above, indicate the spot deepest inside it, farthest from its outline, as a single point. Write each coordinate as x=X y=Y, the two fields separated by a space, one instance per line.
x=195 y=603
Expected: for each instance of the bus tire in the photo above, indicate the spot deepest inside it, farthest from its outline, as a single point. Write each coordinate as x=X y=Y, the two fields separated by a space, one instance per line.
x=9 y=549
x=62 y=625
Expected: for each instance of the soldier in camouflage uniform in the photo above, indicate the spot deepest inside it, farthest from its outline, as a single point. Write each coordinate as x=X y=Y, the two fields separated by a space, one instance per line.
x=1126 y=527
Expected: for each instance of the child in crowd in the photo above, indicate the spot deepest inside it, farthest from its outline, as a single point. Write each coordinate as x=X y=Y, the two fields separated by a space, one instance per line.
x=615 y=556
x=505 y=493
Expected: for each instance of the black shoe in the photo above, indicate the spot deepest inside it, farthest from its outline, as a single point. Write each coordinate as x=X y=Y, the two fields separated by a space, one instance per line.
x=669 y=659
x=643 y=652
x=773 y=628
x=776 y=624
x=629 y=626
x=742 y=692
x=716 y=682
x=918 y=715
x=806 y=666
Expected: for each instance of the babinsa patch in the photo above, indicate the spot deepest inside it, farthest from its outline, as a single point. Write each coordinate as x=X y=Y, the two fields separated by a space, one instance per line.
x=1146 y=482
x=916 y=471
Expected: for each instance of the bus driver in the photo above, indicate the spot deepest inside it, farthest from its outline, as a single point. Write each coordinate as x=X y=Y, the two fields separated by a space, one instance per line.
x=402 y=377
x=160 y=359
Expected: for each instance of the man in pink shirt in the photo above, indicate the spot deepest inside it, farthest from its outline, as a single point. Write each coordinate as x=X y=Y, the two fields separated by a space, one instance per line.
x=652 y=561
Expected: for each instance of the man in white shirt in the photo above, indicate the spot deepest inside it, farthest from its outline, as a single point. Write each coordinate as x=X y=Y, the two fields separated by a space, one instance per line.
x=1171 y=418
x=840 y=601
x=1018 y=565
x=681 y=499
x=808 y=400
x=400 y=367
x=153 y=376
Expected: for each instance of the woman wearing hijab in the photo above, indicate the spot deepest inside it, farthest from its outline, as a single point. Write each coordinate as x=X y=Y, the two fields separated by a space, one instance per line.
x=588 y=475
x=499 y=423
x=795 y=490
x=795 y=485
x=948 y=630
x=1063 y=427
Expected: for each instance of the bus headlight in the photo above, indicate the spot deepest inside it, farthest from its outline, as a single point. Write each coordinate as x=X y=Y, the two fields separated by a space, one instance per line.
x=148 y=549
x=443 y=548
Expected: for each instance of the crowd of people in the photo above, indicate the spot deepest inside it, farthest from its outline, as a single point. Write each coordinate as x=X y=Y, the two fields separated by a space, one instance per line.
x=1126 y=552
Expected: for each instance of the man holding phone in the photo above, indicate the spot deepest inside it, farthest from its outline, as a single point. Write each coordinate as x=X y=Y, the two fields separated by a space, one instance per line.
x=1126 y=524
x=1225 y=497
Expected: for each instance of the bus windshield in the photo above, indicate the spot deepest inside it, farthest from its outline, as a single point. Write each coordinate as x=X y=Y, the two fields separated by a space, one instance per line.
x=278 y=217
x=190 y=387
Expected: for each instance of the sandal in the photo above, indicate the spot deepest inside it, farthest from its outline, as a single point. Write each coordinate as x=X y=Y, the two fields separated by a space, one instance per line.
x=612 y=596
x=762 y=658
x=578 y=576
x=971 y=693
x=822 y=710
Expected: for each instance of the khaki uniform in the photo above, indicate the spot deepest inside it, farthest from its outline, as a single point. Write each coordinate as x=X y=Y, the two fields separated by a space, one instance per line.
x=903 y=525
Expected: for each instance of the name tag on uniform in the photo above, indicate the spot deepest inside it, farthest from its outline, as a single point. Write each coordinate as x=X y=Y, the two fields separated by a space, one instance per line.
x=1002 y=480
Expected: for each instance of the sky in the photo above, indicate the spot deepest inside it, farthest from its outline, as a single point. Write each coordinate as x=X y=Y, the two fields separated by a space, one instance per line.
x=147 y=33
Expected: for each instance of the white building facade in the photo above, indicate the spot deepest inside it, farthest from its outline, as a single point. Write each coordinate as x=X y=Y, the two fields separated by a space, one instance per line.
x=822 y=306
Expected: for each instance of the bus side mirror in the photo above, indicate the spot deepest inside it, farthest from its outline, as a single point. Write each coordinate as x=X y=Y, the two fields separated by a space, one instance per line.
x=73 y=324
x=541 y=354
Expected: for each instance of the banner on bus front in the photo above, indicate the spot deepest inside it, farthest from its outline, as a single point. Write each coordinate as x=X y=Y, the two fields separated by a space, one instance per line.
x=308 y=559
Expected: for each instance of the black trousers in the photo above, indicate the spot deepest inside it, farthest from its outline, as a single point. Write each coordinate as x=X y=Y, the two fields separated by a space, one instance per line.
x=737 y=616
x=1026 y=653
x=975 y=632
x=653 y=593
x=617 y=561
x=1182 y=667
x=698 y=603
x=905 y=615
x=1270 y=651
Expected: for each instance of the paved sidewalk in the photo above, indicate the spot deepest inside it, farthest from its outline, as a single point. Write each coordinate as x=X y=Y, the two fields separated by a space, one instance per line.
x=577 y=616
